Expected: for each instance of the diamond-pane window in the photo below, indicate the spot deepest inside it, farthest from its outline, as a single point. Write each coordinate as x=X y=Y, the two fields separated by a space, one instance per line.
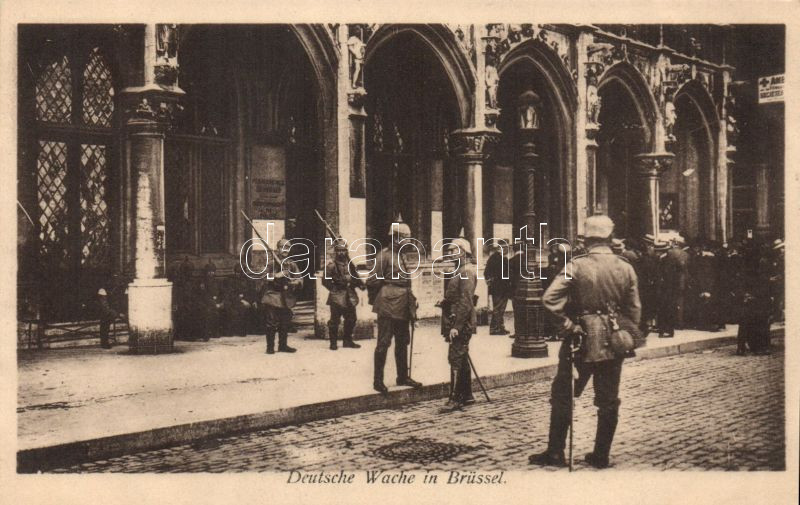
x=98 y=91
x=51 y=171
x=54 y=93
x=94 y=210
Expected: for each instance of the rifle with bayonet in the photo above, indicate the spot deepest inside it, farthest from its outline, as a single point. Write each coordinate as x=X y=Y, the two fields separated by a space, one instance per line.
x=270 y=251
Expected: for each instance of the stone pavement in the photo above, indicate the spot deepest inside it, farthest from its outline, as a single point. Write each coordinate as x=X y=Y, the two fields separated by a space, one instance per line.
x=72 y=395
x=709 y=410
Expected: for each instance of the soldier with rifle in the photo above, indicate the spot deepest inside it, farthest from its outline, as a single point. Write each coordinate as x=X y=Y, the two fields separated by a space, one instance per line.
x=389 y=290
x=597 y=306
x=278 y=293
x=341 y=280
x=279 y=296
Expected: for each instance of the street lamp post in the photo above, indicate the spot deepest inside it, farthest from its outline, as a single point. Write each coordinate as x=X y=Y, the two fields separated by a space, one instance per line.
x=529 y=316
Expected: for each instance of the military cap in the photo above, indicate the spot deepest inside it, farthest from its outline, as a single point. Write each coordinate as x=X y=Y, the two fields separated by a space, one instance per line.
x=340 y=245
x=462 y=244
x=598 y=227
x=401 y=229
x=101 y=292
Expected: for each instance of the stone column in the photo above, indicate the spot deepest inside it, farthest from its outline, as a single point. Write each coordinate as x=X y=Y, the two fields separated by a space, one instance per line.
x=472 y=147
x=149 y=113
x=529 y=315
x=649 y=168
x=150 y=294
x=762 y=200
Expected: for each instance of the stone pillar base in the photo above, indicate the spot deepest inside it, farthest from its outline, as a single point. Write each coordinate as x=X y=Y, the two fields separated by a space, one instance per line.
x=521 y=350
x=150 y=316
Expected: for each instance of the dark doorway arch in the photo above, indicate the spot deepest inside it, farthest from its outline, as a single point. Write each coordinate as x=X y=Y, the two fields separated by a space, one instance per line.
x=628 y=118
x=690 y=185
x=414 y=101
x=534 y=66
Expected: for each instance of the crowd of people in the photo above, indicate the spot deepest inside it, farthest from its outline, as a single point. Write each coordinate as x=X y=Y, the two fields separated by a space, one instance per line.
x=695 y=284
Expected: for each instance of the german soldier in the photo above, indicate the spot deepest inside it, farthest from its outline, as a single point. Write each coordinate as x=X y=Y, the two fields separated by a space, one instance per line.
x=341 y=280
x=395 y=305
x=278 y=297
x=460 y=322
x=597 y=281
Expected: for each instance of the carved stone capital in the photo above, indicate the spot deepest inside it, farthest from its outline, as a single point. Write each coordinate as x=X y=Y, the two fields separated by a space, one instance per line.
x=356 y=97
x=473 y=143
x=150 y=110
x=652 y=165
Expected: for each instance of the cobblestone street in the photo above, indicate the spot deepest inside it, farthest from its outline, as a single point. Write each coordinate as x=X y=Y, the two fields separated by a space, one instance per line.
x=709 y=410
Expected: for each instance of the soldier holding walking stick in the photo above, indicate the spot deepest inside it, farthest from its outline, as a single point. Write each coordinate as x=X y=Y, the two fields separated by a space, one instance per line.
x=458 y=313
x=389 y=290
x=597 y=302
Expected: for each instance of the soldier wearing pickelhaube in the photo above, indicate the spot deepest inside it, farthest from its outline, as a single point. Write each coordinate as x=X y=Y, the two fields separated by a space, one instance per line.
x=278 y=297
x=600 y=283
x=341 y=280
x=394 y=303
x=460 y=322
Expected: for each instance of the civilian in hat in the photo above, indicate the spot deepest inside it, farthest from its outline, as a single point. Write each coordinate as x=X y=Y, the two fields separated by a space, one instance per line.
x=648 y=276
x=107 y=316
x=499 y=282
x=673 y=276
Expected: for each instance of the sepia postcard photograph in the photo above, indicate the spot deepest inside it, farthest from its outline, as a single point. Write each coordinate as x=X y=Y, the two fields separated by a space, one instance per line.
x=470 y=253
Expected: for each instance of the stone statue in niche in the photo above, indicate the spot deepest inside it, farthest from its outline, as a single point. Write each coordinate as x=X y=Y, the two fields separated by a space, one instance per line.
x=492 y=81
x=357 y=49
x=166 y=43
x=592 y=99
x=670 y=117
x=528 y=118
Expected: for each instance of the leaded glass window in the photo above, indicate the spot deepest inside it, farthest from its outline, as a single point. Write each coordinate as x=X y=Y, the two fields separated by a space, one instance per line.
x=51 y=177
x=98 y=92
x=54 y=93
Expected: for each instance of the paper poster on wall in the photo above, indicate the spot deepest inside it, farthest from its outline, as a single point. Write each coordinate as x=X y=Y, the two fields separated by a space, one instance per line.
x=268 y=182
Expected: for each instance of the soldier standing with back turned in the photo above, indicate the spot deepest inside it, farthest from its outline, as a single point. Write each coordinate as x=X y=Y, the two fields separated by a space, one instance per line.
x=598 y=281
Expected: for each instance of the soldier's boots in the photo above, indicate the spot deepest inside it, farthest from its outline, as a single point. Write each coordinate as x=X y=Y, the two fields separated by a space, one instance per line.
x=606 y=427
x=408 y=381
x=377 y=381
x=271 y=343
x=596 y=461
x=282 y=345
x=548 y=458
x=333 y=334
x=452 y=402
x=348 y=342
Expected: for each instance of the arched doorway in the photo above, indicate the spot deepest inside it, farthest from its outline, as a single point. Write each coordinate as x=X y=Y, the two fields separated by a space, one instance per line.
x=533 y=67
x=688 y=189
x=251 y=137
x=627 y=114
x=68 y=172
x=412 y=106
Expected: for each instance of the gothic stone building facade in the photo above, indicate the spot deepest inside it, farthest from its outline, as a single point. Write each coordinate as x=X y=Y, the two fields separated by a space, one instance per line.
x=140 y=144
